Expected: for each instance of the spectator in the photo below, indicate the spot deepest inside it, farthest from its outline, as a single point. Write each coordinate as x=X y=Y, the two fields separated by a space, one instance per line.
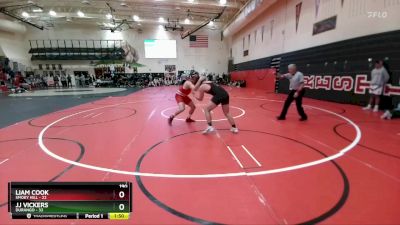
x=242 y=83
x=386 y=101
x=78 y=82
x=69 y=81
x=389 y=114
x=24 y=83
x=83 y=80
x=50 y=81
x=379 y=78
x=151 y=84
x=56 y=81
x=63 y=80
x=44 y=82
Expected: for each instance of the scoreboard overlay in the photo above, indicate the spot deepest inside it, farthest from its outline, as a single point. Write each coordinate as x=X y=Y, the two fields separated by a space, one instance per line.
x=70 y=200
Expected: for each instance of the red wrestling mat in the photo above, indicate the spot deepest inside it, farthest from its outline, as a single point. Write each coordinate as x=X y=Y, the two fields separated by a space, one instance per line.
x=271 y=172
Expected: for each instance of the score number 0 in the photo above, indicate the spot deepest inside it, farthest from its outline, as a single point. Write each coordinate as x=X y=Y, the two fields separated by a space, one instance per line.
x=121 y=206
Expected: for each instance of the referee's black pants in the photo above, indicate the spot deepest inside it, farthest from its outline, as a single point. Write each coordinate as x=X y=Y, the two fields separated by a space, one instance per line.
x=299 y=104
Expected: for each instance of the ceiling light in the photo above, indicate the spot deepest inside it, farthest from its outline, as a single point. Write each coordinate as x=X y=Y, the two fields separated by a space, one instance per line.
x=31 y=2
x=80 y=14
x=109 y=16
x=160 y=26
x=86 y=2
x=37 y=10
x=222 y=2
x=161 y=20
x=191 y=1
x=123 y=4
x=25 y=14
x=136 y=18
x=211 y=23
x=187 y=21
x=52 y=13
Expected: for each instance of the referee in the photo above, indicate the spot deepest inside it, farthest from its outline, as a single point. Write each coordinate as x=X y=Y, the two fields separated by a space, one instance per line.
x=296 y=88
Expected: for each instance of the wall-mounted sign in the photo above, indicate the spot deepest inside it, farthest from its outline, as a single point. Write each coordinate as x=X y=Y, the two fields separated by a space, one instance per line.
x=325 y=25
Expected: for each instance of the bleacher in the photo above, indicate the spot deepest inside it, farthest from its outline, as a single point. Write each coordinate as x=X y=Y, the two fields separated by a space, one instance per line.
x=76 y=49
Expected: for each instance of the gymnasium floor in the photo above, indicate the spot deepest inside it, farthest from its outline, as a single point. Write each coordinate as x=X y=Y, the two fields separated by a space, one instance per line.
x=339 y=167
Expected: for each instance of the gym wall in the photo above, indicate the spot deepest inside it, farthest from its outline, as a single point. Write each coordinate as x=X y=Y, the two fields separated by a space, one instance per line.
x=340 y=71
x=212 y=59
x=259 y=79
x=13 y=46
x=336 y=63
x=274 y=31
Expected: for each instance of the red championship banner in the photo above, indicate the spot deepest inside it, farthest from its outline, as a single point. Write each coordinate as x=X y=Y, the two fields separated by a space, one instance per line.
x=298 y=11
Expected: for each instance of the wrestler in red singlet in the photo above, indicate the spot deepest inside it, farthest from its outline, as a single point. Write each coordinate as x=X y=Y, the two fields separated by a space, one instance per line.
x=182 y=95
x=182 y=98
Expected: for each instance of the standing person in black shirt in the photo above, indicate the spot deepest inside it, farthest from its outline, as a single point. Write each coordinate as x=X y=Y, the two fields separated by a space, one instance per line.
x=69 y=81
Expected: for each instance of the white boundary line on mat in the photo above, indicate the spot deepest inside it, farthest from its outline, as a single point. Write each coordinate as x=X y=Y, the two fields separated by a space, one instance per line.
x=215 y=175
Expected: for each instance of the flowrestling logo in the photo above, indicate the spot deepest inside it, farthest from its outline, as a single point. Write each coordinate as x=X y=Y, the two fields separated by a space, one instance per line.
x=358 y=84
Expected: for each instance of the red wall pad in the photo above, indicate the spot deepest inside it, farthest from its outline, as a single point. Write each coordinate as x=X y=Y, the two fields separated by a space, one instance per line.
x=258 y=79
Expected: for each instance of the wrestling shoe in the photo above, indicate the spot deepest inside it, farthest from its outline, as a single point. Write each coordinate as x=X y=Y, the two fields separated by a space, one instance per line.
x=389 y=116
x=234 y=130
x=170 y=120
x=385 y=115
x=368 y=107
x=376 y=108
x=209 y=129
x=190 y=120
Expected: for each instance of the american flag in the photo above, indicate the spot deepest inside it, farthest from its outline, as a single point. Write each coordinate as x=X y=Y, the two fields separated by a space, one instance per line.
x=198 y=41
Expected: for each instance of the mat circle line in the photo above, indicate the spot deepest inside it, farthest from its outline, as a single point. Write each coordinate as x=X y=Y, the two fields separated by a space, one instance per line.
x=69 y=167
x=335 y=129
x=134 y=111
x=215 y=175
x=243 y=112
x=339 y=204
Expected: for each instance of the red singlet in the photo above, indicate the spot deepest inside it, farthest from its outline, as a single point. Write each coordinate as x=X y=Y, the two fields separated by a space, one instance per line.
x=182 y=95
x=183 y=92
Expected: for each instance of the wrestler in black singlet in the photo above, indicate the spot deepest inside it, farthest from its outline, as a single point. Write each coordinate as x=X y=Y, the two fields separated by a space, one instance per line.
x=220 y=96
